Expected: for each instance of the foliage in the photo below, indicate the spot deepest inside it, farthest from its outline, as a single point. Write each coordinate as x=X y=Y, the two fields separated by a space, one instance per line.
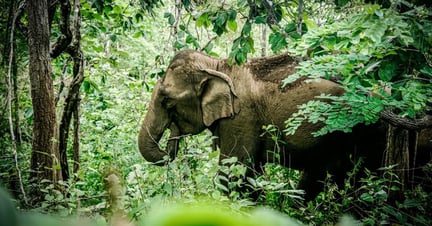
x=382 y=59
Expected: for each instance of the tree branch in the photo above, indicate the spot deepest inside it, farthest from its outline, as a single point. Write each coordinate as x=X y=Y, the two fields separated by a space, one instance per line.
x=406 y=123
x=65 y=38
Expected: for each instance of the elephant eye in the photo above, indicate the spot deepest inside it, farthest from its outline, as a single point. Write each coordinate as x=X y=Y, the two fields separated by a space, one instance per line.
x=168 y=102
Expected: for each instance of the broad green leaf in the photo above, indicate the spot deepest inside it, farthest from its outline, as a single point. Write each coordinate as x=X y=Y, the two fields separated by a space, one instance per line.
x=379 y=13
x=329 y=42
x=232 y=14
x=221 y=19
x=290 y=27
x=113 y=37
x=406 y=40
x=386 y=71
x=376 y=31
x=203 y=21
x=246 y=29
x=117 y=9
x=98 y=48
x=277 y=41
x=190 y=39
x=232 y=25
x=260 y=20
x=240 y=58
x=310 y=24
x=137 y=34
x=170 y=16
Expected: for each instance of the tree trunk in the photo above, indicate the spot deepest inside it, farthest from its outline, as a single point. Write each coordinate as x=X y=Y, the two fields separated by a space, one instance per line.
x=263 y=40
x=300 y=17
x=75 y=146
x=402 y=144
x=15 y=99
x=44 y=154
x=401 y=156
x=72 y=99
x=15 y=179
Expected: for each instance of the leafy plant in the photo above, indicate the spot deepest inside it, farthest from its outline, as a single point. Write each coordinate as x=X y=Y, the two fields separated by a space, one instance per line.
x=379 y=59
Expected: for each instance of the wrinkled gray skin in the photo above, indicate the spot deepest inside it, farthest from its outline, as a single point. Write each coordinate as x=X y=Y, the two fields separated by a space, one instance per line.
x=199 y=92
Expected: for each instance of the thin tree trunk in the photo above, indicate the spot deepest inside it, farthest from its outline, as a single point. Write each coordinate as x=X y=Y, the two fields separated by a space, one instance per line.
x=300 y=17
x=72 y=99
x=44 y=154
x=15 y=99
x=401 y=156
x=76 y=150
x=263 y=40
x=12 y=90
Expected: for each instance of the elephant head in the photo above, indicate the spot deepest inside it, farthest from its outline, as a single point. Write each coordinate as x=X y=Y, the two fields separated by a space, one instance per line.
x=190 y=97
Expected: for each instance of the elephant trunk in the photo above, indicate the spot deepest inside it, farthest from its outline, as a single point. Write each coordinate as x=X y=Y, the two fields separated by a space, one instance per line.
x=155 y=123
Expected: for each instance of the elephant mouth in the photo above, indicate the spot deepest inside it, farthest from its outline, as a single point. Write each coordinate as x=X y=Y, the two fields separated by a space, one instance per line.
x=186 y=126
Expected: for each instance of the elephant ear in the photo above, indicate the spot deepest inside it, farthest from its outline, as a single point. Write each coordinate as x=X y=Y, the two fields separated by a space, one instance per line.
x=218 y=97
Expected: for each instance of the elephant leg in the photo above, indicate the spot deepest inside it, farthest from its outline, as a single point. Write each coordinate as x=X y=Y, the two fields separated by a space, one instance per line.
x=234 y=142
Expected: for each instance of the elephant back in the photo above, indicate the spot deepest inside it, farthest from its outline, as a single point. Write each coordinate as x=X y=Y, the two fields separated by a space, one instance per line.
x=272 y=69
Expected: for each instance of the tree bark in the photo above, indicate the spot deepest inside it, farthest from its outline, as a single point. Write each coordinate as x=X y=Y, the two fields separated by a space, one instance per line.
x=44 y=154
x=406 y=123
x=401 y=150
x=263 y=40
x=15 y=180
x=72 y=99
x=397 y=151
x=75 y=146
x=400 y=156
x=300 y=17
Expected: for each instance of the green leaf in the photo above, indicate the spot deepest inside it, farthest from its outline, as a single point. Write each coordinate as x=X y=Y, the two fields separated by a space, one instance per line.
x=190 y=39
x=260 y=20
x=277 y=41
x=371 y=66
x=117 y=9
x=310 y=24
x=371 y=8
x=139 y=17
x=240 y=58
x=427 y=71
x=113 y=37
x=203 y=21
x=387 y=71
x=232 y=25
x=376 y=31
x=98 y=49
x=232 y=14
x=290 y=27
x=221 y=19
x=406 y=40
x=379 y=13
x=137 y=34
x=178 y=45
x=170 y=16
x=246 y=29
x=214 y=154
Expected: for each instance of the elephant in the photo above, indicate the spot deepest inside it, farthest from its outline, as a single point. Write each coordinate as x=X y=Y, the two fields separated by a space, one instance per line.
x=234 y=102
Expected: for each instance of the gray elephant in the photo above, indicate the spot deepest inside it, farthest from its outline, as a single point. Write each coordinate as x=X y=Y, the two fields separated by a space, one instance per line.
x=234 y=102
